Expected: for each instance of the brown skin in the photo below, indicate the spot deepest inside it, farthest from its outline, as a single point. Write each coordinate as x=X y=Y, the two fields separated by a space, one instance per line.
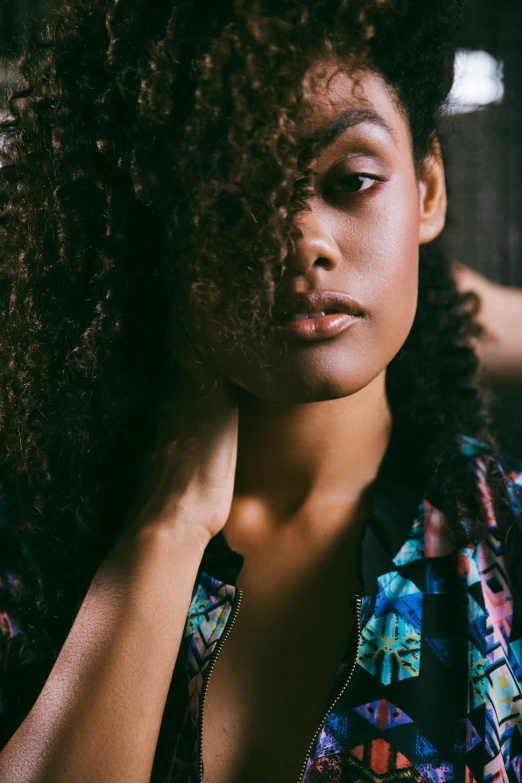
x=300 y=501
x=296 y=509
x=305 y=471
x=99 y=713
x=362 y=243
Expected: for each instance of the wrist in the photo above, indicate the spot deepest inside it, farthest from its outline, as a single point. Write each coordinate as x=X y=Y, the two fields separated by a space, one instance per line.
x=178 y=530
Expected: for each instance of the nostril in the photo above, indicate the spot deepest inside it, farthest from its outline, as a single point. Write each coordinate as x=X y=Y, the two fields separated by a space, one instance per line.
x=323 y=261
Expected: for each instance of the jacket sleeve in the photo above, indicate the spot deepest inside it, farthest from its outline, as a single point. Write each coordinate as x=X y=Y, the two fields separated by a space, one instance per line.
x=25 y=659
x=11 y=645
x=513 y=473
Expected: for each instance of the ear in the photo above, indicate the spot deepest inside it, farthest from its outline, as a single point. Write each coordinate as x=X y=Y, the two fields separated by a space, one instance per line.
x=432 y=194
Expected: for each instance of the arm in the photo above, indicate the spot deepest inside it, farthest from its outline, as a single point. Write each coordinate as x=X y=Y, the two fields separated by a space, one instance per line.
x=98 y=716
x=501 y=315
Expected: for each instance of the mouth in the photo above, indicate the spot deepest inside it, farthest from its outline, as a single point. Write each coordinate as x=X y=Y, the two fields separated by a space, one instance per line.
x=317 y=315
x=307 y=316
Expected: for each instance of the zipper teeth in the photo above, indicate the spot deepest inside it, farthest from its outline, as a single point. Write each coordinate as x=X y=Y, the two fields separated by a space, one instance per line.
x=219 y=645
x=210 y=666
x=345 y=685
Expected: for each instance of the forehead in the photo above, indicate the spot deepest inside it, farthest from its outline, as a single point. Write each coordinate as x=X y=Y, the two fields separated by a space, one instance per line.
x=336 y=100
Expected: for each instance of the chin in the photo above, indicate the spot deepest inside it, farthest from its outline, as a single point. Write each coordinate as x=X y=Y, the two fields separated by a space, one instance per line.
x=294 y=375
x=299 y=388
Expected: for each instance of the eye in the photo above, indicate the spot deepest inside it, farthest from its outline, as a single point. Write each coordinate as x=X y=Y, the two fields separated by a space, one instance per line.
x=355 y=183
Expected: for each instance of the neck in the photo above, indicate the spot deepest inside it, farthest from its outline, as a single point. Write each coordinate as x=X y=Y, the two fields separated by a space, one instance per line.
x=294 y=457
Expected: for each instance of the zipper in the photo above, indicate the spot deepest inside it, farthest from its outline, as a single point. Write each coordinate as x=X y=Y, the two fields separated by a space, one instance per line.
x=219 y=645
x=212 y=662
x=358 y=602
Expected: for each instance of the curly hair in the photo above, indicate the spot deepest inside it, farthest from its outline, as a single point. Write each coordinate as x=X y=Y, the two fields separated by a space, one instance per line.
x=155 y=141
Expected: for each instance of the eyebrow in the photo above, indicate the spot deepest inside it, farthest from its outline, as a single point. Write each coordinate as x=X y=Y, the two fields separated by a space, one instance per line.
x=330 y=132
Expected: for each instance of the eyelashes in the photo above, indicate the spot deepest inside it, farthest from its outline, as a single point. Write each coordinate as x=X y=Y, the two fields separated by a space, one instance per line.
x=344 y=188
x=356 y=183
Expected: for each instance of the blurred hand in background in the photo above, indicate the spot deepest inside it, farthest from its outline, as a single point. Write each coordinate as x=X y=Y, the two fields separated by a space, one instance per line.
x=500 y=314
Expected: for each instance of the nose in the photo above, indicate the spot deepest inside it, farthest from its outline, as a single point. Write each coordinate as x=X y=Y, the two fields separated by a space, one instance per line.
x=314 y=244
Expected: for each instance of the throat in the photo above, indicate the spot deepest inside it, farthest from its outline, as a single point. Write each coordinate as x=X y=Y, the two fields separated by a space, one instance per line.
x=287 y=551
x=296 y=458
x=286 y=562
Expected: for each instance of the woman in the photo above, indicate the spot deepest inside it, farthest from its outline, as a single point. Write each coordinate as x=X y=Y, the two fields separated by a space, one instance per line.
x=213 y=215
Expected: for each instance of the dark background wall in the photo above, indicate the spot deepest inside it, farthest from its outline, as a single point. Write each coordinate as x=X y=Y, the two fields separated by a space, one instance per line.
x=483 y=154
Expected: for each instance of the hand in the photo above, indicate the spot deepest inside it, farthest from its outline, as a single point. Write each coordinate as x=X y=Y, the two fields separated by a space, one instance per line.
x=191 y=469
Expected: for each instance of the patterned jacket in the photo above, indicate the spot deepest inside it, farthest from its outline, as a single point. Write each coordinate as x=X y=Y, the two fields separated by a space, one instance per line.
x=430 y=690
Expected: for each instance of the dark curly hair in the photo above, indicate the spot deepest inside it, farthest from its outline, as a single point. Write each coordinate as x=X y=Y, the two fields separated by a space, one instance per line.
x=155 y=139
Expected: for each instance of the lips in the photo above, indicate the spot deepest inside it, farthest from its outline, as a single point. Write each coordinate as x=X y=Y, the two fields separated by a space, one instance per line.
x=316 y=302
x=316 y=315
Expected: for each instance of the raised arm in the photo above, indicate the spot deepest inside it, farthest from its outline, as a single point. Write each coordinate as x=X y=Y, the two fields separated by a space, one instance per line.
x=501 y=315
x=99 y=714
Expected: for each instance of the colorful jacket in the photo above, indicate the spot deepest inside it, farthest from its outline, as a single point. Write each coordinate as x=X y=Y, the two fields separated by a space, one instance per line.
x=430 y=689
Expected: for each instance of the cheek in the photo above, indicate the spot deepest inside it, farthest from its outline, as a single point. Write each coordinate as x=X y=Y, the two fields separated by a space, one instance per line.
x=390 y=272
x=380 y=253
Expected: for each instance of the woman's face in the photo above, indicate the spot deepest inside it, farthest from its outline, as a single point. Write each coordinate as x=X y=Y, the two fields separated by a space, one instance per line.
x=368 y=213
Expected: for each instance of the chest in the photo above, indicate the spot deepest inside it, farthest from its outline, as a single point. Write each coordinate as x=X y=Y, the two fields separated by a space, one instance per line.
x=435 y=693
x=271 y=683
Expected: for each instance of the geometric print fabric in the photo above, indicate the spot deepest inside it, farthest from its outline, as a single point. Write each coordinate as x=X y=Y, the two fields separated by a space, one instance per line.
x=477 y=732
x=436 y=691
x=435 y=694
